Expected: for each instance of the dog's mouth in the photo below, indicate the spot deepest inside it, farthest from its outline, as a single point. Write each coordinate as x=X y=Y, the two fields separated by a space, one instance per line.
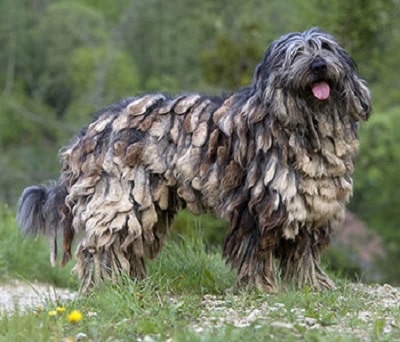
x=321 y=90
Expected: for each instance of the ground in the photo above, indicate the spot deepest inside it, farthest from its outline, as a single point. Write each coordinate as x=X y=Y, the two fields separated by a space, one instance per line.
x=378 y=309
x=375 y=309
x=26 y=295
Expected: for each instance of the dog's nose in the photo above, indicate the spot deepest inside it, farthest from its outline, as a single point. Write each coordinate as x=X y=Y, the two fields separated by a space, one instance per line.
x=318 y=65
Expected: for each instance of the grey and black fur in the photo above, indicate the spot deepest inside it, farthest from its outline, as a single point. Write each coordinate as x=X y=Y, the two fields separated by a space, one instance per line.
x=275 y=159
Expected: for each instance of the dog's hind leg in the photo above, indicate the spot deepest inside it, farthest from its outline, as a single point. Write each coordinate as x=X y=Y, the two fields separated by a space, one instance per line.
x=124 y=251
x=68 y=237
x=97 y=262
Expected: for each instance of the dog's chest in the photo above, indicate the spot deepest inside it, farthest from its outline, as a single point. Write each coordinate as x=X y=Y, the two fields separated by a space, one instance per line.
x=324 y=186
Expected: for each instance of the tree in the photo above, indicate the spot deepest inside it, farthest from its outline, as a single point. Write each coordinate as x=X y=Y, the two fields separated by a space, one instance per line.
x=99 y=77
x=231 y=61
x=66 y=26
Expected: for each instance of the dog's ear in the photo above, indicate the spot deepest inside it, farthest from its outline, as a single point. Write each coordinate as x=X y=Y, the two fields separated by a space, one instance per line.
x=263 y=70
x=364 y=96
x=359 y=100
x=361 y=94
x=274 y=62
x=273 y=59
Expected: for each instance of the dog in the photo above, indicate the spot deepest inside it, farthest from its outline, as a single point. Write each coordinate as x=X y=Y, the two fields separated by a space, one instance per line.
x=275 y=159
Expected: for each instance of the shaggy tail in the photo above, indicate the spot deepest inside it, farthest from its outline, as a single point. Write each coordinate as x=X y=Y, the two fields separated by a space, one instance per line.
x=42 y=210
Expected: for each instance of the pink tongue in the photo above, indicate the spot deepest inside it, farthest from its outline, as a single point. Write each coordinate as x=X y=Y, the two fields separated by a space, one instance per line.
x=321 y=90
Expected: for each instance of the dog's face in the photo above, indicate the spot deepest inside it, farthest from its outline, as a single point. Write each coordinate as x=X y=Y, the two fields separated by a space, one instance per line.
x=313 y=67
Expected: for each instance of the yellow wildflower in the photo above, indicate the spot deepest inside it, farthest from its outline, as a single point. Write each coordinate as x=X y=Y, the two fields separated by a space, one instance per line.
x=52 y=313
x=75 y=316
x=60 y=309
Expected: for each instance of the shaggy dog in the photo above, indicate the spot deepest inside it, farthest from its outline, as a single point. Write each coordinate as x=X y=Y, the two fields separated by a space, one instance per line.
x=275 y=159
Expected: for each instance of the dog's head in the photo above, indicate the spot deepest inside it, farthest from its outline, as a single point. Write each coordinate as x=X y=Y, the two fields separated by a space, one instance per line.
x=313 y=67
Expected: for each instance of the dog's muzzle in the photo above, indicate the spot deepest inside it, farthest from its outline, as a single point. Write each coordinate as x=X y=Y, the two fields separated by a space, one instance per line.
x=320 y=89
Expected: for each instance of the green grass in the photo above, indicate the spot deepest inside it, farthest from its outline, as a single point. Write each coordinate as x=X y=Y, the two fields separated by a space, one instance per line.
x=131 y=310
x=189 y=295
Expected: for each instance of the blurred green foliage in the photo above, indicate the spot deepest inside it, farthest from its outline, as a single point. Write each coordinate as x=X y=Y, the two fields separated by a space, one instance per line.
x=62 y=60
x=376 y=189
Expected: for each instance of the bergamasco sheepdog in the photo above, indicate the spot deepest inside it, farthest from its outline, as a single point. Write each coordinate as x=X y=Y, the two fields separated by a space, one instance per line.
x=275 y=159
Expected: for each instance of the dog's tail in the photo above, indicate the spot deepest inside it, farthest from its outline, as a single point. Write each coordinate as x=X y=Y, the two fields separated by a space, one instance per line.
x=42 y=211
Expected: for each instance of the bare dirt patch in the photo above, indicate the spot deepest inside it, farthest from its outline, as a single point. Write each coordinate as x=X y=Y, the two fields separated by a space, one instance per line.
x=23 y=296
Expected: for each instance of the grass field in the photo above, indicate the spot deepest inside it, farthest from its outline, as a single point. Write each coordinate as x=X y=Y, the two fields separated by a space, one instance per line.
x=190 y=295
